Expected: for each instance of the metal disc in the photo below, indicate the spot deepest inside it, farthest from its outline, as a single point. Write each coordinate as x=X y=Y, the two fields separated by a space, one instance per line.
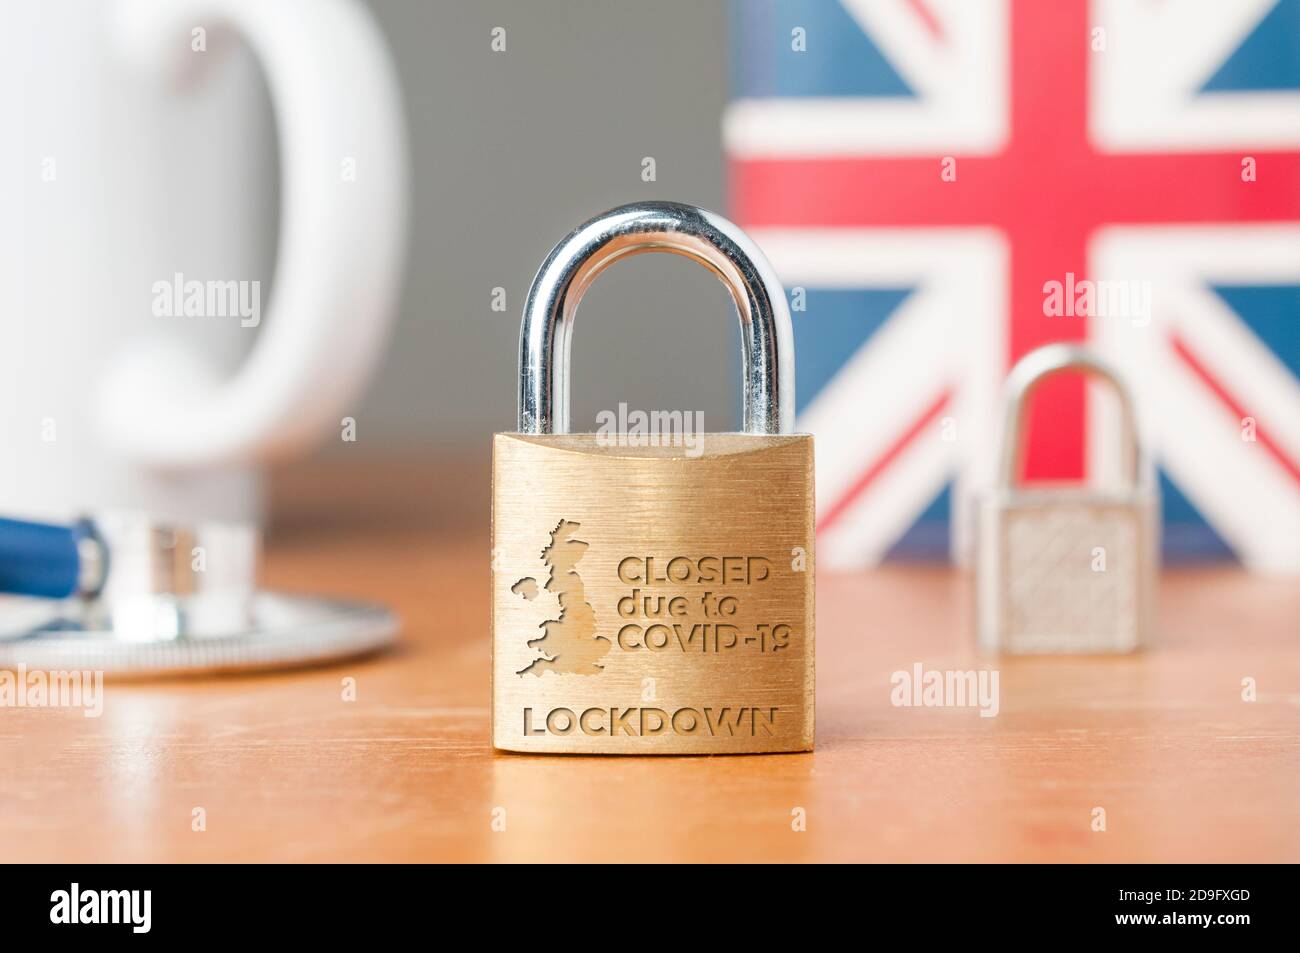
x=274 y=631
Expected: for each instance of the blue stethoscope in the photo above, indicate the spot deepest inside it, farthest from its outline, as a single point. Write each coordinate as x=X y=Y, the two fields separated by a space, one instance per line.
x=50 y=560
x=122 y=593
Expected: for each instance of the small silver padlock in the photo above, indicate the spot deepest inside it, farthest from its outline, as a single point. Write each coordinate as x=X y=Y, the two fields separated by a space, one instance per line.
x=1066 y=569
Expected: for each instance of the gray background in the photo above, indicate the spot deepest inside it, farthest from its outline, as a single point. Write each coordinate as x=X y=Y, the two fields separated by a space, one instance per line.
x=509 y=152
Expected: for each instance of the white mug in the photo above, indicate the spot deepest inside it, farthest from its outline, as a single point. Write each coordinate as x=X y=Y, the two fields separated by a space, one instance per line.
x=146 y=359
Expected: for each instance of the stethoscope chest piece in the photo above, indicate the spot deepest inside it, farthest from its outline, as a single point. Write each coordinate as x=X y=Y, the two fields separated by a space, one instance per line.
x=133 y=594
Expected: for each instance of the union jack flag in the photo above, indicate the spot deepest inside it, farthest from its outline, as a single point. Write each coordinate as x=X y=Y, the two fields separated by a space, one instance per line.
x=919 y=171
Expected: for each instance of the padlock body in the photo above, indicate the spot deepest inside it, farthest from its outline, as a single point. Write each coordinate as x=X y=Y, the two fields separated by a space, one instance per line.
x=1064 y=570
x=667 y=594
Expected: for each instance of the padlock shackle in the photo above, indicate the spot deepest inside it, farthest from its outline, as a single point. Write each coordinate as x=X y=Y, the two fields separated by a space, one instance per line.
x=702 y=236
x=1034 y=368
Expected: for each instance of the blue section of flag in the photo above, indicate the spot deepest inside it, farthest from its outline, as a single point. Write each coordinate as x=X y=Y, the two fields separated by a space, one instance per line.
x=1269 y=57
x=927 y=539
x=1185 y=535
x=1272 y=312
x=835 y=323
x=839 y=59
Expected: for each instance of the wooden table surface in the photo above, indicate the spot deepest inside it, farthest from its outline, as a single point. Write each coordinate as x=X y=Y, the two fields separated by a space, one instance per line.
x=286 y=770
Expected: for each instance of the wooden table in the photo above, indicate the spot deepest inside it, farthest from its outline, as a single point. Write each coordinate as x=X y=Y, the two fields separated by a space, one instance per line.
x=286 y=770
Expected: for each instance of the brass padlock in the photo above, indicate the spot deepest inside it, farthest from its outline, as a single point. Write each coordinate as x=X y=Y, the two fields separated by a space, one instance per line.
x=1066 y=569
x=653 y=599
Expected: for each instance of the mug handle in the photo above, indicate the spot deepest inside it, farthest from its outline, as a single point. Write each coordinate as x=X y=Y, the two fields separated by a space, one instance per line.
x=340 y=251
